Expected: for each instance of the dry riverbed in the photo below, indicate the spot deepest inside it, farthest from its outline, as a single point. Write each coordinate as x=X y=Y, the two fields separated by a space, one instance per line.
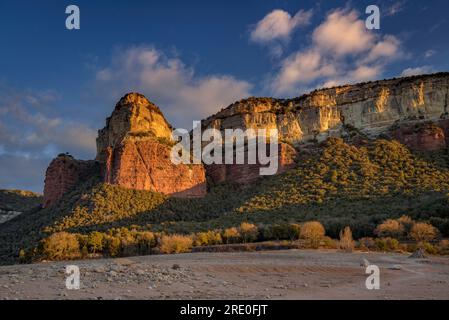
x=289 y=274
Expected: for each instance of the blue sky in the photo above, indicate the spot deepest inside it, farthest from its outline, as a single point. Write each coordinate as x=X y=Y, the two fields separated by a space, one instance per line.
x=189 y=57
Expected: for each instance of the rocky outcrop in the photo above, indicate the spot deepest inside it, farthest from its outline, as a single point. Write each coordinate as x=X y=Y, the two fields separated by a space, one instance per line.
x=134 y=151
x=134 y=117
x=370 y=107
x=248 y=173
x=63 y=173
x=146 y=165
x=427 y=136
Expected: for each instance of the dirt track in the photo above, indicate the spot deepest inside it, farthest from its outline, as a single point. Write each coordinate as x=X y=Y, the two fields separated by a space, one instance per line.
x=292 y=274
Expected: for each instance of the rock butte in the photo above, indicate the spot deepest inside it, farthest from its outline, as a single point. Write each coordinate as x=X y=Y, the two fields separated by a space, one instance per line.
x=133 y=150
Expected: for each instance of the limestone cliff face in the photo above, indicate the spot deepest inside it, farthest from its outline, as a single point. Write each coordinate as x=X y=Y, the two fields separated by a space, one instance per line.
x=371 y=107
x=134 y=151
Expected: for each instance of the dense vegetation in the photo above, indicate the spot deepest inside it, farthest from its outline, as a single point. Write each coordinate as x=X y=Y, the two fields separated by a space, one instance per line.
x=336 y=184
x=128 y=242
x=19 y=200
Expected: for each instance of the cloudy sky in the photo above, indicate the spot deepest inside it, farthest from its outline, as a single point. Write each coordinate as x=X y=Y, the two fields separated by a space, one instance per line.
x=191 y=58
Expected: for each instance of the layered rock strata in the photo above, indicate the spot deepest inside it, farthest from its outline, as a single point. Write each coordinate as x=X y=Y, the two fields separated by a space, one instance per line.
x=370 y=107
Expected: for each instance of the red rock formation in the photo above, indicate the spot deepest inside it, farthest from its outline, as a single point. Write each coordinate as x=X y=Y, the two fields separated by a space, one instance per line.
x=63 y=173
x=421 y=136
x=146 y=165
x=248 y=173
x=134 y=151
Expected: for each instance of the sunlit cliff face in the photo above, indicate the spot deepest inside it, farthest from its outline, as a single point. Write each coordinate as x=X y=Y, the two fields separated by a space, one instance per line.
x=134 y=115
x=370 y=107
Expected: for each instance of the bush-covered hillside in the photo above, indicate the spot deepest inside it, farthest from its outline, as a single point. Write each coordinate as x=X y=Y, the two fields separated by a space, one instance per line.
x=19 y=200
x=337 y=184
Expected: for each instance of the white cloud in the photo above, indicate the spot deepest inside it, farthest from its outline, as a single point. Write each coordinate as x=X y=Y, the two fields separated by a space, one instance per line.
x=279 y=24
x=342 y=51
x=364 y=73
x=343 y=33
x=388 y=47
x=169 y=83
x=303 y=68
x=27 y=128
x=417 y=71
x=429 y=53
x=31 y=135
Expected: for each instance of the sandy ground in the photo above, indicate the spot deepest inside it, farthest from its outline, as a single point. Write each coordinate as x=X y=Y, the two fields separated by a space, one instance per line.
x=291 y=274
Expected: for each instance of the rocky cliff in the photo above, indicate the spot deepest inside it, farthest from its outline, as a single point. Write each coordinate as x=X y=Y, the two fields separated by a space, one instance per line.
x=134 y=118
x=133 y=149
x=249 y=173
x=144 y=164
x=370 y=107
x=63 y=173
x=422 y=136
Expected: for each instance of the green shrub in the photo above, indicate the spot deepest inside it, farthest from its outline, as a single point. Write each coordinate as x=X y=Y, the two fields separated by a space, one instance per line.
x=428 y=247
x=367 y=243
x=284 y=231
x=82 y=240
x=95 y=242
x=113 y=246
x=393 y=244
x=293 y=231
x=387 y=244
x=146 y=241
